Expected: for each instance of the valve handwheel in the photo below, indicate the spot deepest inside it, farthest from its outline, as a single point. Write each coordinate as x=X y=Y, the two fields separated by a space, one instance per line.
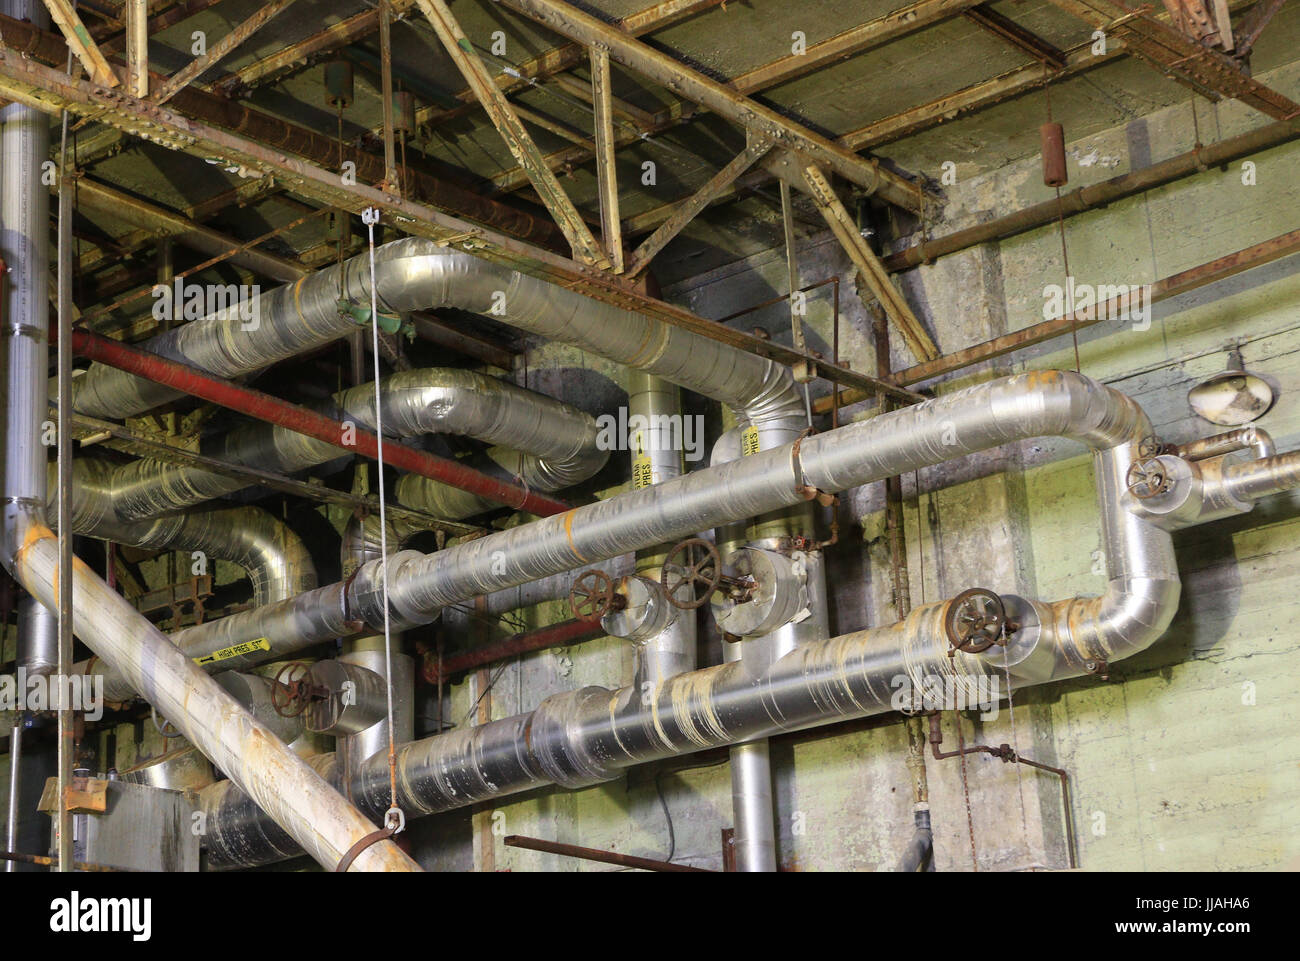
x=975 y=620
x=592 y=596
x=682 y=568
x=1146 y=479
x=289 y=689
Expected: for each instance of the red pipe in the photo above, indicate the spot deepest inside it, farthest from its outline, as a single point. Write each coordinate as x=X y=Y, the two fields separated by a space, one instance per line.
x=557 y=635
x=272 y=410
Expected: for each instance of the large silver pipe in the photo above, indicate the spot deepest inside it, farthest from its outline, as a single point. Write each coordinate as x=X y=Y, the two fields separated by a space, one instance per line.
x=586 y=736
x=279 y=565
x=1042 y=403
x=417 y=274
x=38 y=638
x=1188 y=492
x=24 y=247
x=548 y=444
x=657 y=457
x=312 y=812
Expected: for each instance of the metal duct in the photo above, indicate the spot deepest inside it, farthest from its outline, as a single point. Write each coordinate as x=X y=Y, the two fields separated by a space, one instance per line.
x=317 y=817
x=549 y=444
x=278 y=563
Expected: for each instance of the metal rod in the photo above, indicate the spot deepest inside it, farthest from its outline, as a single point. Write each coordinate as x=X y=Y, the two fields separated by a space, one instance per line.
x=595 y=854
x=66 y=720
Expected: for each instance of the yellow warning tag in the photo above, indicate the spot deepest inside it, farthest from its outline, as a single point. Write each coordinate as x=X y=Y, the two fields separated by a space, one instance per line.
x=238 y=650
x=748 y=441
x=642 y=473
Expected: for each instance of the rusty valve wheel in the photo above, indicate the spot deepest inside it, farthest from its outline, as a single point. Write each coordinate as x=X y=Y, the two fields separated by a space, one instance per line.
x=677 y=574
x=1146 y=479
x=289 y=694
x=592 y=596
x=975 y=621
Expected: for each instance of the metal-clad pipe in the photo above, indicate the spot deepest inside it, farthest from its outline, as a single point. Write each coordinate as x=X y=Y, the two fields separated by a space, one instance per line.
x=548 y=444
x=38 y=638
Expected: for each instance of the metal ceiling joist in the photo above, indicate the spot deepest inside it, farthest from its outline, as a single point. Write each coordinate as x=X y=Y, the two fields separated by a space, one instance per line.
x=585 y=246
x=688 y=209
x=873 y=273
x=606 y=174
x=987 y=18
x=27 y=81
x=763 y=122
x=219 y=50
x=1208 y=72
x=63 y=13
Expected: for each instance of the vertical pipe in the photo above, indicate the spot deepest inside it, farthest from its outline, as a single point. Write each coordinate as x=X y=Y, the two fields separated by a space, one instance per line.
x=24 y=224
x=137 y=48
x=15 y=786
x=657 y=457
x=67 y=745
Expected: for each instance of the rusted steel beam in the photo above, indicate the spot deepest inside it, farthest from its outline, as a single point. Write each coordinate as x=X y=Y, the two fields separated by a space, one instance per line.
x=763 y=121
x=851 y=42
x=280 y=63
x=1013 y=33
x=595 y=854
x=1174 y=285
x=1208 y=72
x=1098 y=195
x=568 y=55
x=272 y=410
x=585 y=246
x=219 y=50
x=1253 y=24
x=82 y=44
x=27 y=81
x=286 y=140
x=688 y=209
x=117 y=42
x=873 y=273
x=606 y=174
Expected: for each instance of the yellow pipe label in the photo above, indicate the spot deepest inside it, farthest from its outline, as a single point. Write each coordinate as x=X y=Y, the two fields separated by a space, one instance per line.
x=226 y=653
x=748 y=441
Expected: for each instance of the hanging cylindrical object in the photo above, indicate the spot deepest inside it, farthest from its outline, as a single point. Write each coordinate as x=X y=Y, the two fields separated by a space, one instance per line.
x=338 y=83
x=1052 y=136
x=404 y=112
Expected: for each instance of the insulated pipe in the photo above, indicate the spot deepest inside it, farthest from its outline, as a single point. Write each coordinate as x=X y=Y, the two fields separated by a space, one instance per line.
x=583 y=737
x=279 y=565
x=656 y=458
x=312 y=812
x=417 y=274
x=548 y=444
x=1040 y=403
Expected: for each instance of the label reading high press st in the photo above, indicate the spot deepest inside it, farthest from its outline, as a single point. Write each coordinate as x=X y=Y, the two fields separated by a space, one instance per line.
x=237 y=650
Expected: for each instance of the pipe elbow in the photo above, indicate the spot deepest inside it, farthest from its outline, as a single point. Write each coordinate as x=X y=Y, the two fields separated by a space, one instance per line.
x=1129 y=617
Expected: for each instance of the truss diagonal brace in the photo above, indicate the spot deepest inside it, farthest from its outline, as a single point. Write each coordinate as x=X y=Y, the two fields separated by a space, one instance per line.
x=461 y=50
x=81 y=43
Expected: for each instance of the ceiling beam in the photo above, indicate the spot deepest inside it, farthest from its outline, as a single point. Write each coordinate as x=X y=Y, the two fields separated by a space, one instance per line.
x=873 y=273
x=691 y=207
x=80 y=42
x=606 y=173
x=219 y=50
x=1017 y=36
x=762 y=121
x=1252 y=26
x=585 y=246
x=1206 y=71
x=27 y=81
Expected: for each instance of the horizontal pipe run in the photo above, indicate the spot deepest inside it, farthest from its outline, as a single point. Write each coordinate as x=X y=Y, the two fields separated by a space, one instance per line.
x=527 y=642
x=264 y=407
x=1221 y=268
